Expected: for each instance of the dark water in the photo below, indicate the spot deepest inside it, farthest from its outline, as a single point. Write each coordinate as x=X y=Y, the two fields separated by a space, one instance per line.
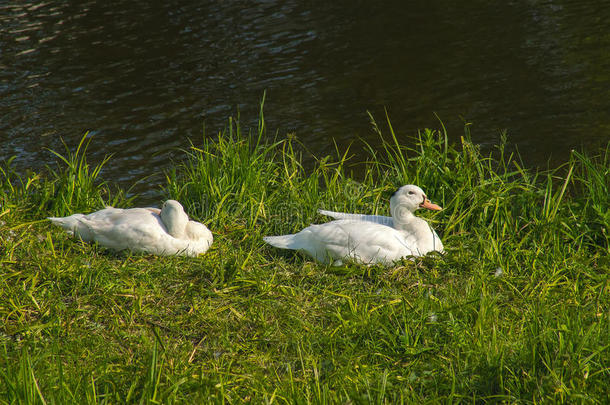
x=144 y=77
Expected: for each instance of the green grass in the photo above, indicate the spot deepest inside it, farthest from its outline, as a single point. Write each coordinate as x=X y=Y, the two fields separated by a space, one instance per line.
x=517 y=310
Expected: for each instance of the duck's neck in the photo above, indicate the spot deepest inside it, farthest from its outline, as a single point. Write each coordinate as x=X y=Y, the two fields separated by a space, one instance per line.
x=403 y=218
x=175 y=224
x=175 y=231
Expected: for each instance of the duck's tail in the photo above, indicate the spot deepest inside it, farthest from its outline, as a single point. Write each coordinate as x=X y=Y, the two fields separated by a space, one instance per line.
x=283 y=241
x=69 y=224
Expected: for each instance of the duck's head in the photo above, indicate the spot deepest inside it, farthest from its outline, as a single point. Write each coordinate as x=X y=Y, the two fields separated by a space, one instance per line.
x=410 y=198
x=174 y=218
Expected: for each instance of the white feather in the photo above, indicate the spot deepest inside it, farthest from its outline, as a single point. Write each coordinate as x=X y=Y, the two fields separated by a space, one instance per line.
x=163 y=232
x=369 y=238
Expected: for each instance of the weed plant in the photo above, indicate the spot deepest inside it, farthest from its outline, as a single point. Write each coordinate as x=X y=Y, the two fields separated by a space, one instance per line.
x=516 y=311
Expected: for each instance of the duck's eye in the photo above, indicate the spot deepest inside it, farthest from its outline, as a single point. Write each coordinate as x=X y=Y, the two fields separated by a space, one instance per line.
x=411 y=192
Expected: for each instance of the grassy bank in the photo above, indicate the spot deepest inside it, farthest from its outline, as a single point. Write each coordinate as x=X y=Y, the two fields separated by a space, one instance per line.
x=517 y=310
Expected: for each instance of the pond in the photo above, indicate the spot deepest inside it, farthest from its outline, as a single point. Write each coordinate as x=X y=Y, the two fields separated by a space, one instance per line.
x=145 y=77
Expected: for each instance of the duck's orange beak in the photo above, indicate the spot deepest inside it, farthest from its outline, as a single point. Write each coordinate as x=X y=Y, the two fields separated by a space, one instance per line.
x=430 y=206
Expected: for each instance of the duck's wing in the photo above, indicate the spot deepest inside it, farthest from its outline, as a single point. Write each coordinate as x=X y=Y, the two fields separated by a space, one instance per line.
x=136 y=228
x=324 y=242
x=377 y=219
x=74 y=226
x=362 y=241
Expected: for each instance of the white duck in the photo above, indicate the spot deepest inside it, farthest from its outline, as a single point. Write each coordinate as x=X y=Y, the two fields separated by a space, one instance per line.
x=165 y=231
x=369 y=238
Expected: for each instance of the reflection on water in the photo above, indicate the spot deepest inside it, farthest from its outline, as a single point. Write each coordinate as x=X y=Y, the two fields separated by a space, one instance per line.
x=144 y=78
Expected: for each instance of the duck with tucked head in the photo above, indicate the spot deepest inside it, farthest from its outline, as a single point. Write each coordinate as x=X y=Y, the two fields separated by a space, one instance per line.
x=165 y=231
x=369 y=239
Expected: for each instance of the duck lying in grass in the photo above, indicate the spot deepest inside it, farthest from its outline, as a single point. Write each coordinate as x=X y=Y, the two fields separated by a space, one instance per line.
x=369 y=239
x=166 y=231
